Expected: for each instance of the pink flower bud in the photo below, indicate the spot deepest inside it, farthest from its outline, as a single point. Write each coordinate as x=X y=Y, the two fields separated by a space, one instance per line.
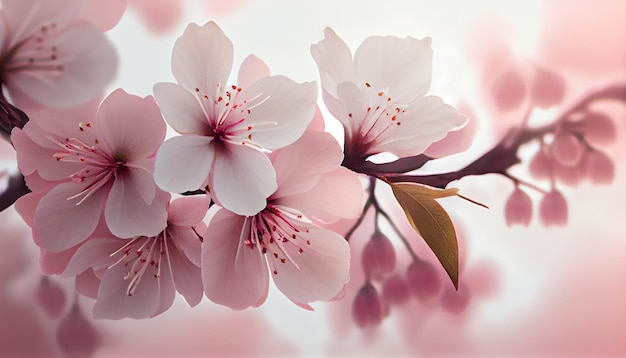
x=553 y=209
x=51 y=296
x=540 y=165
x=519 y=208
x=378 y=257
x=76 y=335
x=599 y=129
x=395 y=290
x=368 y=309
x=455 y=302
x=599 y=167
x=508 y=91
x=548 y=88
x=423 y=279
x=566 y=149
x=571 y=175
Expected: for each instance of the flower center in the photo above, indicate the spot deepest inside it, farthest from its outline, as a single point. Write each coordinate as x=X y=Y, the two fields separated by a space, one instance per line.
x=279 y=231
x=227 y=114
x=378 y=122
x=34 y=53
x=97 y=166
x=141 y=255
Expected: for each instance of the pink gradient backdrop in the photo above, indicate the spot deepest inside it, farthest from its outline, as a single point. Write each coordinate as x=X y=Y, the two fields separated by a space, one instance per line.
x=532 y=291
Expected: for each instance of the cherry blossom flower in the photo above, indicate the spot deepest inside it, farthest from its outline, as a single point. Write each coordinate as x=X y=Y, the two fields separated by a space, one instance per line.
x=139 y=277
x=48 y=57
x=307 y=263
x=223 y=127
x=380 y=95
x=93 y=168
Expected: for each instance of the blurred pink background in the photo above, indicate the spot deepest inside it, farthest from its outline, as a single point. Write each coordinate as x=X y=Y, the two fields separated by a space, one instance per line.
x=535 y=291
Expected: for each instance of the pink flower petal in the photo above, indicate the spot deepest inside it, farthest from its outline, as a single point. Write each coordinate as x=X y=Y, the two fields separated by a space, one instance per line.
x=299 y=166
x=189 y=210
x=202 y=58
x=290 y=106
x=113 y=301
x=233 y=274
x=243 y=178
x=127 y=214
x=456 y=141
x=340 y=187
x=130 y=125
x=103 y=13
x=81 y=49
x=403 y=66
x=317 y=124
x=186 y=275
x=87 y=284
x=94 y=253
x=187 y=241
x=176 y=175
x=55 y=263
x=181 y=109
x=167 y=291
x=251 y=69
x=427 y=120
x=38 y=13
x=323 y=268
x=63 y=223
x=334 y=60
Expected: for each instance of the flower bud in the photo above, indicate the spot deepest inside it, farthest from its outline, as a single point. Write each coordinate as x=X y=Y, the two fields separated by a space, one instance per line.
x=548 y=88
x=368 y=309
x=423 y=279
x=378 y=257
x=540 y=165
x=508 y=91
x=599 y=167
x=518 y=208
x=599 y=129
x=566 y=149
x=455 y=302
x=395 y=290
x=51 y=297
x=76 y=335
x=553 y=209
x=571 y=175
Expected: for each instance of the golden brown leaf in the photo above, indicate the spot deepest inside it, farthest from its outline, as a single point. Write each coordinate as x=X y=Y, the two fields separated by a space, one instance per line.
x=431 y=221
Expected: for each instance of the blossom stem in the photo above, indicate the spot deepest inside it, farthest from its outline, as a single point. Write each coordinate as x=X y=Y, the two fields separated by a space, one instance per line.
x=504 y=155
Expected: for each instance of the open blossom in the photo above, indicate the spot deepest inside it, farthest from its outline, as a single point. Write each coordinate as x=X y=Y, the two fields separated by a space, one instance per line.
x=140 y=277
x=48 y=57
x=224 y=126
x=307 y=263
x=380 y=95
x=87 y=169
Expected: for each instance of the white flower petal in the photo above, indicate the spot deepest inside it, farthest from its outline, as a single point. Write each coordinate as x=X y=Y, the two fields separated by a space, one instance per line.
x=280 y=110
x=181 y=109
x=183 y=163
x=252 y=68
x=243 y=178
x=334 y=60
x=426 y=121
x=323 y=268
x=233 y=274
x=202 y=58
x=401 y=66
